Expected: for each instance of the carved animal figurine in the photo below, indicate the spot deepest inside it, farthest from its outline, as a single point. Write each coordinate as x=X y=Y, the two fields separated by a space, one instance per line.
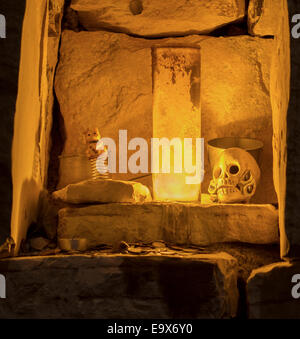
x=97 y=154
x=6 y=250
x=235 y=177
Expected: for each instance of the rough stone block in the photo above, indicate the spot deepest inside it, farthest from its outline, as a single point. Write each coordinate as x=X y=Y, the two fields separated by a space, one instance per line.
x=93 y=191
x=120 y=286
x=270 y=292
x=174 y=223
x=105 y=79
x=263 y=17
x=158 y=18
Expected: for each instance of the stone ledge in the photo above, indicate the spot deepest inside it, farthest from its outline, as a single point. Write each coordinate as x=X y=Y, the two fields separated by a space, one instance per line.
x=120 y=286
x=270 y=292
x=180 y=223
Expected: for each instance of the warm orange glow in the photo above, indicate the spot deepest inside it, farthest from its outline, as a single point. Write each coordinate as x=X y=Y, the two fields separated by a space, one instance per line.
x=176 y=116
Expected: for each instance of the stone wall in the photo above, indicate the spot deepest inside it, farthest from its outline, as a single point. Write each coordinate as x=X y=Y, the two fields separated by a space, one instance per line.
x=121 y=287
x=256 y=56
x=34 y=285
x=104 y=78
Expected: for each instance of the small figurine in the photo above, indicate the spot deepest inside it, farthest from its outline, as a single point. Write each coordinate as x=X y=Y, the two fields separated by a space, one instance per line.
x=7 y=249
x=97 y=154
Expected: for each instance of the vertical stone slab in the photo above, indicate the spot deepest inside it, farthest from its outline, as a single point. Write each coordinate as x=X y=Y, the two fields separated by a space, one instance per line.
x=291 y=247
x=176 y=114
x=279 y=94
x=271 y=18
x=32 y=117
x=12 y=13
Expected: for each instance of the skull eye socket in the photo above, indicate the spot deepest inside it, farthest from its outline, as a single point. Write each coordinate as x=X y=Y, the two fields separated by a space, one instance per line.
x=217 y=172
x=250 y=189
x=234 y=169
x=247 y=176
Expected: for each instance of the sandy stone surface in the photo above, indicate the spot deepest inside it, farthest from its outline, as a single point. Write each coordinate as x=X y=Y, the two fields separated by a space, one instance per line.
x=174 y=223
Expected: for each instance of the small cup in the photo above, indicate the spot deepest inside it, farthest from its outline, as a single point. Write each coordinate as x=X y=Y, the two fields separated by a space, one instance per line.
x=75 y=244
x=217 y=146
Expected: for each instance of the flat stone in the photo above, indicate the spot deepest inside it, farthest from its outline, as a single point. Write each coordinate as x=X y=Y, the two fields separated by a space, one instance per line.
x=156 y=18
x=93 y=191
x=179 y=223
x=120 y=286
x=263 y=17
x=270 y=292
x=104 y=79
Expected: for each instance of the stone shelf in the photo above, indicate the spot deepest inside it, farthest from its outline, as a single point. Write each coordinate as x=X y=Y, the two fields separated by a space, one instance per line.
x=120 y=286
x=180 y=223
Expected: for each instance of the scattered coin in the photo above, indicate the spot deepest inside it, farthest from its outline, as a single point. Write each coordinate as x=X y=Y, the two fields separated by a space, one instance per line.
x=158 y=244
x=135 y=250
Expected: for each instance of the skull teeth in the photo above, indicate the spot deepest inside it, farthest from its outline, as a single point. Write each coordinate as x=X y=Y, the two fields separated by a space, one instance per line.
x=226 y=190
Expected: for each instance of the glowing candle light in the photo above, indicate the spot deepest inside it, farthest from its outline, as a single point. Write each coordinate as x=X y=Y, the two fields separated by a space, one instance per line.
x=176 y=149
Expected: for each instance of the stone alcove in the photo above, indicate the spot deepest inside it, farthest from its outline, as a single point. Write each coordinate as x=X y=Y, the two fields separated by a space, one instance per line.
x=104 y=78
x=101 y=68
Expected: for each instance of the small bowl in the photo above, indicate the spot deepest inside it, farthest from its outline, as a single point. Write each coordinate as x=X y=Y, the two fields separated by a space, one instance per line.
x=76 y=244
x=217 y=146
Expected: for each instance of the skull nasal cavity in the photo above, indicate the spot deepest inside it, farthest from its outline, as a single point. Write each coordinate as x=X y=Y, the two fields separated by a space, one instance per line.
x=136 y=7
x=234 y=169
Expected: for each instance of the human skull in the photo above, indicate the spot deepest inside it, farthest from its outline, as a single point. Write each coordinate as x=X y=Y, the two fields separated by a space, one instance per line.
x=235 y=176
